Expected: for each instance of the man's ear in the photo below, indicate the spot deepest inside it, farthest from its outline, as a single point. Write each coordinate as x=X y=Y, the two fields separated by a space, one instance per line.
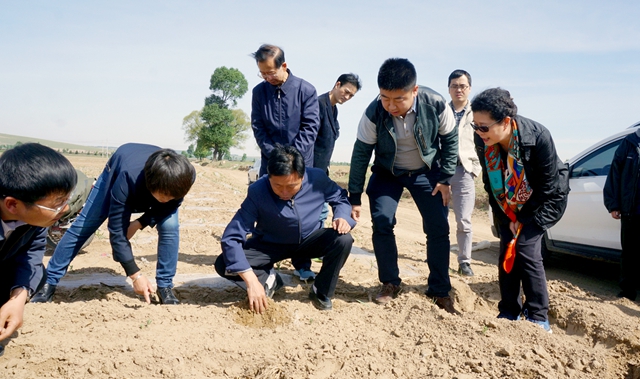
x=338 y=85
x=11 y=204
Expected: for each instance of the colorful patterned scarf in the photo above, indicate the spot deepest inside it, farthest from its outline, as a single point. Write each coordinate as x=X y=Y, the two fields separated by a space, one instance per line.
x=511 y=188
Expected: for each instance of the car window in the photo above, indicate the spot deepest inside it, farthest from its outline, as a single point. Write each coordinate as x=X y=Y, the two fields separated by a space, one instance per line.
x=597 y=163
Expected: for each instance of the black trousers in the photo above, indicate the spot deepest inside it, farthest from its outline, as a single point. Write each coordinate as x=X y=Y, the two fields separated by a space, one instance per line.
x=630 y=258
x=324 y=242
x=527 y=271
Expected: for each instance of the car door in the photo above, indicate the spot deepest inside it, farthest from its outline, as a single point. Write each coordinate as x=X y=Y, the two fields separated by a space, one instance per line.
x=586 y=221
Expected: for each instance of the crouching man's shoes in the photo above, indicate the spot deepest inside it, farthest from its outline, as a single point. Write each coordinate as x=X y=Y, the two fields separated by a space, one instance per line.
x=321 y=302
x=45 y=295
x=166 y=296
x=445 y=303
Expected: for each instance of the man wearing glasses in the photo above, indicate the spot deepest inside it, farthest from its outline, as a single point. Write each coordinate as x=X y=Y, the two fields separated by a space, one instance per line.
x=463 y=189
x=137 y=179
x=35 y=187
x=284 y=110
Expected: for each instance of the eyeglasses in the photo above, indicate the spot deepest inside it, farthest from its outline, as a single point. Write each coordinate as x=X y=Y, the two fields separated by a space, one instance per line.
x=483 y=129
x=267 y=75
x=456 y=87
x=58 y=209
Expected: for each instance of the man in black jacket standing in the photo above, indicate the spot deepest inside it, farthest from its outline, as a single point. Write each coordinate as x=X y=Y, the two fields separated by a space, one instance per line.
x=343 y=90
x=35 y=187
x=622 y=199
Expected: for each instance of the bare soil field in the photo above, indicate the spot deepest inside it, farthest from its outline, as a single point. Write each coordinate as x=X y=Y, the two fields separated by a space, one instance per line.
x=98 y=328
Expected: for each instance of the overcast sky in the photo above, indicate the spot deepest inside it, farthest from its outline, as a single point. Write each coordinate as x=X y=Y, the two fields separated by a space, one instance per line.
x=97 y=73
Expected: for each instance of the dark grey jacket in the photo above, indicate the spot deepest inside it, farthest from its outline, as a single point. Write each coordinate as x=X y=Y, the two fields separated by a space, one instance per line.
x=548 y=177
x=433 y=146
x=621 y=187
x=327 y=134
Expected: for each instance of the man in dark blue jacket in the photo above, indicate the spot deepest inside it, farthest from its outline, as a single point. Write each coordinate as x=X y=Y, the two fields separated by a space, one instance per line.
x=282 y=211
x=35 y=187
x=622 y=199
x=343 y=90
x=138 y=178
x=284 y=110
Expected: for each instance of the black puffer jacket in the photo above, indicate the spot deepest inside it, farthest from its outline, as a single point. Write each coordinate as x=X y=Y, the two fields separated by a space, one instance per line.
x=620 y=189
x=547 y=176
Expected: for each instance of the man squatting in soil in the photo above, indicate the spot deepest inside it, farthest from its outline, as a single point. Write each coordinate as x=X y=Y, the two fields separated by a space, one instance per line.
x=35 y=186
x=282 y=212
x=414 y=135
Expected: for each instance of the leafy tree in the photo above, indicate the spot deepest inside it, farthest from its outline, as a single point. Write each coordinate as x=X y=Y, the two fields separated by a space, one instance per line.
x=191 y=124
x=190 y=151
x=244 y=157
x=228 y=85
x=217 y=127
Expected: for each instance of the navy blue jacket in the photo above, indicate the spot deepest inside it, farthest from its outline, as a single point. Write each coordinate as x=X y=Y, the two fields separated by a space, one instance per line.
x=620 y=191
x=129 y=194
x=327 y=134
x=278 y=221
x=21 y=256
x=288 y=115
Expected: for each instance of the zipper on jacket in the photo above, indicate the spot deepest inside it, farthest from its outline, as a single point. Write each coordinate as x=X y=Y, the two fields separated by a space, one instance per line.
x=395 y=142
x=424 y=143
x=295 y=210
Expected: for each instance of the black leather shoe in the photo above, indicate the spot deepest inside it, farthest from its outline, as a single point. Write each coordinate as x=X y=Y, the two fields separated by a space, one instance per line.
x=166 y=296
x=321 y=302
x=45 y=295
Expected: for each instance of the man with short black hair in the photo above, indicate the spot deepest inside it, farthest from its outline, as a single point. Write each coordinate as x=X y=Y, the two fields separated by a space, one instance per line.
x=138 y=178
x=35 y=187
x=294 y=196
x=343 y=90
x=413 y=132
x=284 y=108
x=463 y=189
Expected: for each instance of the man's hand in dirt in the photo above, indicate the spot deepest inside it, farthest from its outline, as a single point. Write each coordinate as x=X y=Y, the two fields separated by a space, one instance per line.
x=341 y=225
x=133 y=228
x=255 y=292
x=12 y=312
x=142 y=286
x=445 y=190
x=355 y=212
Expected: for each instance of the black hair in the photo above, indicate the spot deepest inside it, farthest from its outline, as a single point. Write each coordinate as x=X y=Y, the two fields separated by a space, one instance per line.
x=351 y=79
x=495 y=101
x=397 y=73
x=169 y=173
x=31 y=172
x=267 y=51
x=285 y=160
x=458 y=73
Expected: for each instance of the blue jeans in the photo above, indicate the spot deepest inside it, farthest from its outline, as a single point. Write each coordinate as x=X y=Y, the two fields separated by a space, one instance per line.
x=94 y=213
x=384 y=191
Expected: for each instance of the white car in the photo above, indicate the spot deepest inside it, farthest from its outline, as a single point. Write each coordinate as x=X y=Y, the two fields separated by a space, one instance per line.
x=587 y=228
x=254 y=171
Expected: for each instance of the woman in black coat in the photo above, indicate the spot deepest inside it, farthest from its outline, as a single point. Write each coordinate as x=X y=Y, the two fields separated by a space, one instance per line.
x=528 y=186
